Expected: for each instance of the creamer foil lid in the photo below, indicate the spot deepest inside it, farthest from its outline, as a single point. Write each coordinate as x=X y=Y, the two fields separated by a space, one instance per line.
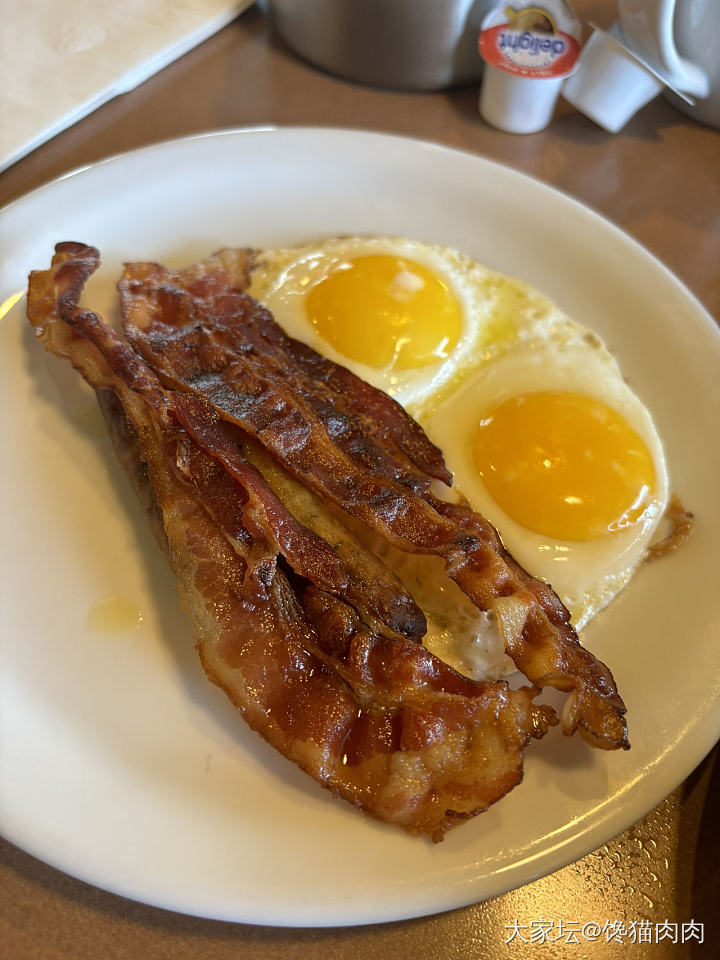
x=531 y=40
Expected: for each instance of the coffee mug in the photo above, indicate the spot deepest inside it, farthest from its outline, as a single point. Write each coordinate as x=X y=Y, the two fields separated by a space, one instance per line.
x=679 y=38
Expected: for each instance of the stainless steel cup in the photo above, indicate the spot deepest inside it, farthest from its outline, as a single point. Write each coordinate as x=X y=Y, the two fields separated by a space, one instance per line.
x=404 y=44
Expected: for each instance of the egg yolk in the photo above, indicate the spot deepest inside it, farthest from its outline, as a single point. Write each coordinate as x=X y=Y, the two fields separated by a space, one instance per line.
x=386 y=312
x=564 y=465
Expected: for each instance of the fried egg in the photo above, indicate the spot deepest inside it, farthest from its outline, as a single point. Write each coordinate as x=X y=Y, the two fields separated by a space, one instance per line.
x=536 y=423
x=400 y=314
x=556 y=451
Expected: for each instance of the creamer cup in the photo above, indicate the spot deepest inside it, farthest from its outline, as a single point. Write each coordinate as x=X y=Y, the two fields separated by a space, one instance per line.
x=528 y=51
x=613 y=81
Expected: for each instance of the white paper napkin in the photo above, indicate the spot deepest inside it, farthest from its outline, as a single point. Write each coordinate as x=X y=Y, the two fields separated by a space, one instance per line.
x=61 y=59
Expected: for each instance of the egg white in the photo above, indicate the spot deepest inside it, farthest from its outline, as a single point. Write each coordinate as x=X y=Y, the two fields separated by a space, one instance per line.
x=458 y=632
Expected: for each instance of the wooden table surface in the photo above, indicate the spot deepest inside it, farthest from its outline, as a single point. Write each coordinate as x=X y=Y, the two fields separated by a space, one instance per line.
x=659 y=179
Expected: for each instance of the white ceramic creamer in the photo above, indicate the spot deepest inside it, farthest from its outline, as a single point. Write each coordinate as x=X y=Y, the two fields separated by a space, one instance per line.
x=681 y=39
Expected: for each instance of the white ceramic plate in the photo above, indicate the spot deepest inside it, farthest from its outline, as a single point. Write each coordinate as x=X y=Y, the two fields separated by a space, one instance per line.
x=120 y=763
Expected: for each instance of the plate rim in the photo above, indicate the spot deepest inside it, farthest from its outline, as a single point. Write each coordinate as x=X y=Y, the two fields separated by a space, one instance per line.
x=561 y=854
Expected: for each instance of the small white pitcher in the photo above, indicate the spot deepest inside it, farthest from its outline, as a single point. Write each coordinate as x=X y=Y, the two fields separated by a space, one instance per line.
x=680 y=39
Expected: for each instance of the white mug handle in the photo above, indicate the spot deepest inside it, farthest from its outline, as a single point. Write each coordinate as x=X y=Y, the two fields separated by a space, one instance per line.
x=647 y=26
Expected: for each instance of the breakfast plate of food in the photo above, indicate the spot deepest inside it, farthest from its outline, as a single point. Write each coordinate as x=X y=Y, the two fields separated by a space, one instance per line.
x=361 y=527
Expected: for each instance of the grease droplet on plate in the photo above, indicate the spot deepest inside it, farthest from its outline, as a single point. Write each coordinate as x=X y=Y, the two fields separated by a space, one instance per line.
x=113 y=615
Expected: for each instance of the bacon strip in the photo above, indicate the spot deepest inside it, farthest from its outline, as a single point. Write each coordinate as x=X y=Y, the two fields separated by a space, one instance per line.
x=354 y=413
x=375 y=719
x=361 y=579
x=223 y=346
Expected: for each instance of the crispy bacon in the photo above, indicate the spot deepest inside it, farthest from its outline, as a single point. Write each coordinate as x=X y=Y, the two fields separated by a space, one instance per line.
x=371 y=715
x=360 y=579
x=205 y=336
x=354 y=413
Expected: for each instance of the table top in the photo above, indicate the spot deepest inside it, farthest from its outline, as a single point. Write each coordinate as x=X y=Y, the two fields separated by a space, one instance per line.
x=658 y=180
